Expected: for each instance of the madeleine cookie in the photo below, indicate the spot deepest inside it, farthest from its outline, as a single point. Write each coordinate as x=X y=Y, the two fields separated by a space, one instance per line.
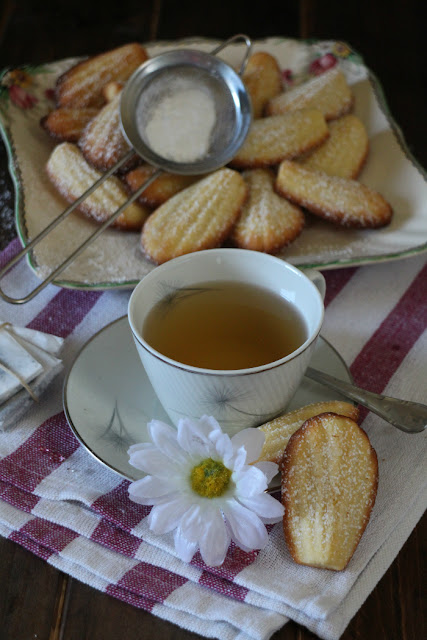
x=67 y=125
x=344 y=152
x=267 y=222
x=102 y=142
x=163 y=187
x=111 y=89
x=263 y=80
x=278 y=431
x=72 y=176
x=271 y=140
x=82 y=85
x=328 y=92
x=199 y=217
x=347 y=203
x=329 y=485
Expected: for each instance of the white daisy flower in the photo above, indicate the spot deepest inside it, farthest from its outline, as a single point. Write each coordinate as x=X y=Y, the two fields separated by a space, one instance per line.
x=202 y=486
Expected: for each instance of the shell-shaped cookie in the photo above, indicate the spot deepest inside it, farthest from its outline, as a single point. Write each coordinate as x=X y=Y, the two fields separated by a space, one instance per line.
x=102 y=142
x=199 y=217
x=344 y=202
x=267 y=222
x=67 y=125
x=279 y=431
x=263 y=80
x=344 y=153
x=329 y=92
x=163 y=187
x=72 y=176
x=82 y=84
x=329 y=485
x=272 y=139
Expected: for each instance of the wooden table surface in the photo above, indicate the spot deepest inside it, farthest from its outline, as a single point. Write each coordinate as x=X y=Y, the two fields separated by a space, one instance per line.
x=39 y=602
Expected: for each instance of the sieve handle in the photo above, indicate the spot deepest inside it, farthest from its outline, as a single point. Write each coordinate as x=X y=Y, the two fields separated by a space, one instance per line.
x=88 y=241
x=238 y=36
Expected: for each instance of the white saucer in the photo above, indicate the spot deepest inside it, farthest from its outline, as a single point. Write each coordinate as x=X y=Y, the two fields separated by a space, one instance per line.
x=108 y=399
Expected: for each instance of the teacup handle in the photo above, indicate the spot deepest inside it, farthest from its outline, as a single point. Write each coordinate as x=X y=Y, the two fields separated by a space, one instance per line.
x=318 y=280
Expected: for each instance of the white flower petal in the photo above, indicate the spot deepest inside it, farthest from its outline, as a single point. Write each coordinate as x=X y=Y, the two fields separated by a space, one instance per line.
x=193 y=438
x=250 y=481
x=222 y=446
x=140 y=446
x=252 y=439
x=154 y=462
x=141 y=499
x=239 y=459
x=246 y=527
x=215 y=540
x=193 y=523
x=265 y=506
x=209 y=425
x=165 y=438
x=184 y=548
x=270 y=469
x=150 y=487
x=167 y=516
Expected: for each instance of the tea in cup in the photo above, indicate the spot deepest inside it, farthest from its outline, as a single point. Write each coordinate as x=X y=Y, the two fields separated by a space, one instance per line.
x=227 y=333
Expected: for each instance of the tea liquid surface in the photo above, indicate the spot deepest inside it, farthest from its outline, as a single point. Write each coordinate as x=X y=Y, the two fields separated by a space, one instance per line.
x=224 y=325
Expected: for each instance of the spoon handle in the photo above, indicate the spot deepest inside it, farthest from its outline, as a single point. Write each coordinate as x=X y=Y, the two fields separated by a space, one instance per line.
x=407 y=416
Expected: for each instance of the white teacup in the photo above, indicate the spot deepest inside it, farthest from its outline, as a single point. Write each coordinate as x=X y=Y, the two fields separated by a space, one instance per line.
x=236 y=398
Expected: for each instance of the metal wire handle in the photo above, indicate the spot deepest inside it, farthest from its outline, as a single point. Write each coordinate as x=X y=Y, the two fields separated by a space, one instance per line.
x=88 y=240
x=239 y=36
x=87 y=193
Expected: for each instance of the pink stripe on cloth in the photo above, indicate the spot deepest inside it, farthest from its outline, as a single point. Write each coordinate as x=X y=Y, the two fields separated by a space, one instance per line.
x=225 y=587
x=65 y=311
x=10 y=252
x=106 y=533
x=114 y=590
x=43 y=452
x=22 y=500
x=116 y=539
x=30 y=545
x=50 y=535
x=336 y=281
x=394 y=338
x=235 y=561
x=154 y=582
x=119 y=509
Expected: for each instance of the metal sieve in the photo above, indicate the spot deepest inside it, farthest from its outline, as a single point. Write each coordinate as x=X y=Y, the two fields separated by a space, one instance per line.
x=147 y=85
x=157 y=78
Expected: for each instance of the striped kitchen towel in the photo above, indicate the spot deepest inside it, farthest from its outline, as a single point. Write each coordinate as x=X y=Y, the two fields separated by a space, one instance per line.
x=61 y=504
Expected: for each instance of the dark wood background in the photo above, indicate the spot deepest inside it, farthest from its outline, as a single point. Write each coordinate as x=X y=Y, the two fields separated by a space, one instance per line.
x=38 y=602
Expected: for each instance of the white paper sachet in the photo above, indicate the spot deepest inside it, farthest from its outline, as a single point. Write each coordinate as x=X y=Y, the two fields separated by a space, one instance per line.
x=38 y=347
x=16 y=365
x=46 y=341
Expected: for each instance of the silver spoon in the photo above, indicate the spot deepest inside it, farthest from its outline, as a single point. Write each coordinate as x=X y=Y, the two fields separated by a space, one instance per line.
x=407 y=416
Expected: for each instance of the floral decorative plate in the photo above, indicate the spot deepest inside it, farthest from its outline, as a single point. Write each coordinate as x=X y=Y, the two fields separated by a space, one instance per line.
x=114 y=259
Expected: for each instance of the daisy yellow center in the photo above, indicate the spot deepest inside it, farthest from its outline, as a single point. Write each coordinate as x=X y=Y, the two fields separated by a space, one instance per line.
x=210 y=478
